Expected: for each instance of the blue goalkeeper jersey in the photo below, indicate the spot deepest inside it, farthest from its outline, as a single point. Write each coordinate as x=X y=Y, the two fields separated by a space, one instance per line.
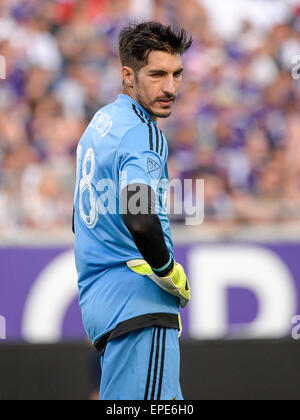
x=121 y=146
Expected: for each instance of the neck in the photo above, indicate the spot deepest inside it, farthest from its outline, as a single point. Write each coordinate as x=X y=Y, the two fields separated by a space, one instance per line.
x=130 y=92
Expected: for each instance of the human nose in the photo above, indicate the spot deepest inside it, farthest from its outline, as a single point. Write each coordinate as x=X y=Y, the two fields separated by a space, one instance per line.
x=169 y=85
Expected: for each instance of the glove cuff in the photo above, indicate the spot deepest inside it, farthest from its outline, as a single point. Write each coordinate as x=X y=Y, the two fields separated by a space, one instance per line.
x=164 y=271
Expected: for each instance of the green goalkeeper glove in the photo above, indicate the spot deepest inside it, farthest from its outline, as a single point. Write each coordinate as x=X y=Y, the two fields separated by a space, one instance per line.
x=176 y=283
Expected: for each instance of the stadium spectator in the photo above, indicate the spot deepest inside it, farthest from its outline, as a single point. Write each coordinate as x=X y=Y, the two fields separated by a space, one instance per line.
x=237 y=120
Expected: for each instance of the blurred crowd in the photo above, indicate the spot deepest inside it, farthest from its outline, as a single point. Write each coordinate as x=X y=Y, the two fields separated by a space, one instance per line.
x=236 y=123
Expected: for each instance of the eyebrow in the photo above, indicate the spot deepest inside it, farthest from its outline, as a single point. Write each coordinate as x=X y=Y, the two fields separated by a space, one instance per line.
x=163 y=71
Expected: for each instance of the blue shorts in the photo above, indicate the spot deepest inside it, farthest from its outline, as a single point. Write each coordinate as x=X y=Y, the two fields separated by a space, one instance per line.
x=142 y=365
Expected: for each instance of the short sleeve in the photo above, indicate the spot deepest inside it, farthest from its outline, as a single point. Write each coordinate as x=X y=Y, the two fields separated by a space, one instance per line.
x=139 y=156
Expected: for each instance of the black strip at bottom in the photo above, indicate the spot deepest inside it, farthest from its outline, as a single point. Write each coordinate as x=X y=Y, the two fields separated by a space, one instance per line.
x=156 y=364
x=138 y=323
x=162 y=364
x=150 y=366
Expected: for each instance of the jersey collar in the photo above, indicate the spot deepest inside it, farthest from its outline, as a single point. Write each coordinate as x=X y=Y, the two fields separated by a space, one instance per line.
x=128 y=99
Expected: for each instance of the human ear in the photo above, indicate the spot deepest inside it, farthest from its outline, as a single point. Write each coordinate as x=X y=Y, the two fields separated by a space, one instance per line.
x=128 y=76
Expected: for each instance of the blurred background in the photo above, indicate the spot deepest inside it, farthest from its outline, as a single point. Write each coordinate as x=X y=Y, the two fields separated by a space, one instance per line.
x=236 y=125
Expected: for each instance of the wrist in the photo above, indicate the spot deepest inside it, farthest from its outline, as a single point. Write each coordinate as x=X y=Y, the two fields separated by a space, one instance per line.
x=170 y=273
x=166 y=270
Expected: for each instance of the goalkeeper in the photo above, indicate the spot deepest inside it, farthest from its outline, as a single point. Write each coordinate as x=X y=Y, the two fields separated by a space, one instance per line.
x=131 y=287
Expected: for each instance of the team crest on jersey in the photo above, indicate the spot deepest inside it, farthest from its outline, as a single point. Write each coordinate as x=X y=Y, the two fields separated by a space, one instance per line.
x=154 y=169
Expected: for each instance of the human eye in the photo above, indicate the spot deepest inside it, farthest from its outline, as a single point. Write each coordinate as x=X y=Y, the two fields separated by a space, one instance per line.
x=178 y=74
x=156 y=75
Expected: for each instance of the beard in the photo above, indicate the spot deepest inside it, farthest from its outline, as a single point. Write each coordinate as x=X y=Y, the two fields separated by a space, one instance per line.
x=149 y=109
x=159 y=115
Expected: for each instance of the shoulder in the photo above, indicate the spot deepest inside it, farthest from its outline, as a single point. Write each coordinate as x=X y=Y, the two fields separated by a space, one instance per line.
x=144 y=136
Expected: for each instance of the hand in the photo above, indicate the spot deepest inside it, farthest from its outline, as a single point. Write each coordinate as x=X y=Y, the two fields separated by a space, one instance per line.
x=176 y=283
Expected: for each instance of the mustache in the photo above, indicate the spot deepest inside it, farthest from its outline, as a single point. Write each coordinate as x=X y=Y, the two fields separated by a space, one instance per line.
x=166 y=98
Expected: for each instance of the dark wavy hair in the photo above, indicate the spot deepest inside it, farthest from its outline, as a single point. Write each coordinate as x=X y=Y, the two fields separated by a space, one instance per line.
x=137 y=41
